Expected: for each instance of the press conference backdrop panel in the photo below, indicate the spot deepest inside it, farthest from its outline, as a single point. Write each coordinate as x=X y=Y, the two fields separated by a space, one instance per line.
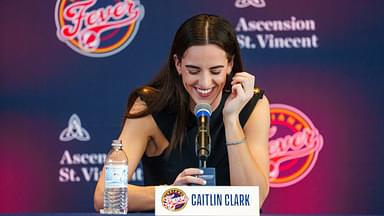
x=65 y=79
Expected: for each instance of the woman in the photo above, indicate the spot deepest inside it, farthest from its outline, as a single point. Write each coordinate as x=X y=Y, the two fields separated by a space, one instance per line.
x=204 y=66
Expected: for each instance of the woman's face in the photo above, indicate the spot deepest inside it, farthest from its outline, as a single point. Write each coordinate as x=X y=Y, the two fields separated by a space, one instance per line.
x=203 y=70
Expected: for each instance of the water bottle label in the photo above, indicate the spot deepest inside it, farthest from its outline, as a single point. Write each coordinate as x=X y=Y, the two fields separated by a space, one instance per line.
x=116 y=176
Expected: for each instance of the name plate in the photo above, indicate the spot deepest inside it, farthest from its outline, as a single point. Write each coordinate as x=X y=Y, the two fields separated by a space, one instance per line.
x=207 y=200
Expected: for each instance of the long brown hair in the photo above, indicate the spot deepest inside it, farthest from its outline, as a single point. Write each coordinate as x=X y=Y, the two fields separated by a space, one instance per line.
x=166 y=91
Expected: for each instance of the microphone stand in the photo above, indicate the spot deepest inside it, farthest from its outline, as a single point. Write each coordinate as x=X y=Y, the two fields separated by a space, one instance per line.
x=203 y=143
x=202 y=163
x=203 y=150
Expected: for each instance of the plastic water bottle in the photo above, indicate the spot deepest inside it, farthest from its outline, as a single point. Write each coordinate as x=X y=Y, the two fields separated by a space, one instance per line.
x=116 y=181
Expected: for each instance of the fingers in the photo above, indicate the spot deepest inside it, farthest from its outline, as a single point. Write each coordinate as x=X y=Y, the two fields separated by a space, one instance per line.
x=242 y=91
x=243 y=77
x=243 y=85
x=238 y=90
x=191 y=171
x=186 y=180
x=189 y=176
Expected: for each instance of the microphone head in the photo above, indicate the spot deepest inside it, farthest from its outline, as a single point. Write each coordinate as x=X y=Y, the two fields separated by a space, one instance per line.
x=202 y=109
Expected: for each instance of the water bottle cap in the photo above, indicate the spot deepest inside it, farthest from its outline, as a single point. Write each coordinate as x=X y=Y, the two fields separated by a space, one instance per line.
x=116 y=143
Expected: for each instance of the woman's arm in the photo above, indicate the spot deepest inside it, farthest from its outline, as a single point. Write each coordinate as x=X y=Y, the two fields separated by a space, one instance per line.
x=135 y=136
x=141 y=198
x=249 y=161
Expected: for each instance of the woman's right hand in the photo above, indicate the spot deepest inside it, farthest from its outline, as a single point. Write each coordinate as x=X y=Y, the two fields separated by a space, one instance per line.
x=189 y=176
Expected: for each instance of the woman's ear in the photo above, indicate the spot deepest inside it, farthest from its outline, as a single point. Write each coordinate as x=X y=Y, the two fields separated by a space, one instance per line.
x=177 y=64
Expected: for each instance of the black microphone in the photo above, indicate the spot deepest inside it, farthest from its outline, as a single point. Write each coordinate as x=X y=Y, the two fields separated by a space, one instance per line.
x=203 y=138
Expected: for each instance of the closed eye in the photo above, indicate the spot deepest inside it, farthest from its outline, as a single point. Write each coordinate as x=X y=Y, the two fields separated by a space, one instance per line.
x=193 y=72
x=216 y=69
x=192 y=69
x=216 y=72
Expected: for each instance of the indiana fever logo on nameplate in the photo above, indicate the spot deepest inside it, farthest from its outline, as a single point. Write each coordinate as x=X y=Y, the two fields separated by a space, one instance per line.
x=207 y=200
x=174 y=199
x=294 y=145
x=98 y=28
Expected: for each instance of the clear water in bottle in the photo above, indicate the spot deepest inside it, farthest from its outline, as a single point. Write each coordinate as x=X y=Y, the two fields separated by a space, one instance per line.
x=116 y=181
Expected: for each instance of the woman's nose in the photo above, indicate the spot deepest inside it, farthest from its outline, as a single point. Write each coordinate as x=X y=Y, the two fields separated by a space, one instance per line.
x=205 y=80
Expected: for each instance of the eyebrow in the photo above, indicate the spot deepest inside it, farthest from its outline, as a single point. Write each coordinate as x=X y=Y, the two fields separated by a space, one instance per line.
x=211 y=68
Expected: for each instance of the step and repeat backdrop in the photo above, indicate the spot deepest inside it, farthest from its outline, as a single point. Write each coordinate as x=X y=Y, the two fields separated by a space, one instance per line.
x=67 y=67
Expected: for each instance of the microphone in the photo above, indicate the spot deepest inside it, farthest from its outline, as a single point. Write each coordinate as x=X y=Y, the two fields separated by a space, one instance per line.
x=203 y=138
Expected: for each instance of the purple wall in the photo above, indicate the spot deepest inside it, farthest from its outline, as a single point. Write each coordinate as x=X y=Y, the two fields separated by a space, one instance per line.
x=328 y=68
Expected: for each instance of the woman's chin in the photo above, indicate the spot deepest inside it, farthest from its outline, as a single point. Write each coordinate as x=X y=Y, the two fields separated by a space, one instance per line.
x=212 y=100
x=199 y=101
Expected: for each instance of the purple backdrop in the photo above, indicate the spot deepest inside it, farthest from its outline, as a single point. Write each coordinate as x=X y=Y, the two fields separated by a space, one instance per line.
x=325 y=60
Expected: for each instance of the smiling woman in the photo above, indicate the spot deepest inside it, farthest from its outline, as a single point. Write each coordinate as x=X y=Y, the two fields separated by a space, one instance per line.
x=204 y=66
x=203 y=70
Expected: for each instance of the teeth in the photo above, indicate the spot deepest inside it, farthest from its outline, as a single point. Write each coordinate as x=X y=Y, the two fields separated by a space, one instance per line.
x=204 y=91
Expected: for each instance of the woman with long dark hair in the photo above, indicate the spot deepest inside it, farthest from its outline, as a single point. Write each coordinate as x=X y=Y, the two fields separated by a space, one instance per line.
x=204 y=66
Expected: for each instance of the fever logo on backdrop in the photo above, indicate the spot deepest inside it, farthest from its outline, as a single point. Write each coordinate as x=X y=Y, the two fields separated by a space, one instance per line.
x=294 y=145
x=98 y=28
